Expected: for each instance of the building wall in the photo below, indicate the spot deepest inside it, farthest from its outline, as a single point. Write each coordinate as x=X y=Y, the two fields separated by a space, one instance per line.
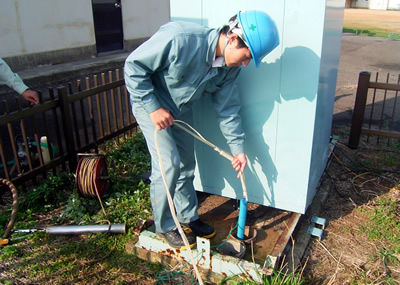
x=376 y=4
x=394 y=5
x=43 y=32
x=38 y=26
x=360 y=4
x=141 y=18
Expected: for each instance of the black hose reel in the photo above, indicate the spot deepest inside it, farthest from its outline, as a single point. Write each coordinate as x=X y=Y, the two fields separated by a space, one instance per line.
x=91 y=175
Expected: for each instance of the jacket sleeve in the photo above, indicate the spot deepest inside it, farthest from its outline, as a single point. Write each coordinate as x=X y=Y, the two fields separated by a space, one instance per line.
x=153 y=55
x=227 y=105
x=10 y=78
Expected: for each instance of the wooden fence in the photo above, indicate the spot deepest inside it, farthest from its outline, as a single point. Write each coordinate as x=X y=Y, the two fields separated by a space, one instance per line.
x=376 y=110
x=69 y=120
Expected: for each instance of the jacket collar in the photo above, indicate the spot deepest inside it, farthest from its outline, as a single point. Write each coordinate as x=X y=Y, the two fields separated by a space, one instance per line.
x=212 y=45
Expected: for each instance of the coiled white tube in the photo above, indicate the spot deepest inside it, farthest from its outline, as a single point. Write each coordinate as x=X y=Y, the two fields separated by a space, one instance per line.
x=190 y=130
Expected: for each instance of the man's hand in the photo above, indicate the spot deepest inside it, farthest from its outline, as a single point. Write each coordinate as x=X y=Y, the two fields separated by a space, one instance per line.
x=162 y=118
x=239 y=163
x=30 y=96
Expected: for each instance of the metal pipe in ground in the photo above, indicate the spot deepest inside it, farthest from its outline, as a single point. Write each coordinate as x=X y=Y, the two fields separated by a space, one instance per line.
x=78 y=230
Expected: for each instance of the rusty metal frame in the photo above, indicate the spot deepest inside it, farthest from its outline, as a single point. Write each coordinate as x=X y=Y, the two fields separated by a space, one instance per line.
x=214 y=265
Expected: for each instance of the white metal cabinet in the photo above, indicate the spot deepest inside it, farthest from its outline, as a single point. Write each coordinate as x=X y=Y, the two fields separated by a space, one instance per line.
x=287 y=103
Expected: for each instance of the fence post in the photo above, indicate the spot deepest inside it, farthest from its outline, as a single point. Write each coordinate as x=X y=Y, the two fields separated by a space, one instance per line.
x=67 y=126
x=359 y=109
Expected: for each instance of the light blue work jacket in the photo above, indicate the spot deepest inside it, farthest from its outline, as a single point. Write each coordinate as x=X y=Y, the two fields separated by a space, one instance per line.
x=11 y=79
x=174 y=68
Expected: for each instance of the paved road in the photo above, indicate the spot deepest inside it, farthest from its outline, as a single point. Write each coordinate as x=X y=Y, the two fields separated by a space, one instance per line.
x=362 y=53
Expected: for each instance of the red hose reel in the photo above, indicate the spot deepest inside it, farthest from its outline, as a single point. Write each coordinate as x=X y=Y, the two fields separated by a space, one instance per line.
x=91 y=176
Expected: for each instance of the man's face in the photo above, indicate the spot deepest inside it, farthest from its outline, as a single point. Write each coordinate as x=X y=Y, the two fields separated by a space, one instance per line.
x=235 y=56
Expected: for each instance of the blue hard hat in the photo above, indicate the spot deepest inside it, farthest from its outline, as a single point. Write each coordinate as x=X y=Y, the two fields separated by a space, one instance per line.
x=260 y=33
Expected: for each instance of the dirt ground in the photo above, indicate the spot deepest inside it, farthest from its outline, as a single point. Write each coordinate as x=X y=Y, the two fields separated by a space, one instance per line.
x=344 y=255
x=372 y=19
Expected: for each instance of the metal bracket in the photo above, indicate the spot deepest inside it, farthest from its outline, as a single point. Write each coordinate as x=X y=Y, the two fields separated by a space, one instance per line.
x=204 y=256
x=314 y=231
x=319 y=221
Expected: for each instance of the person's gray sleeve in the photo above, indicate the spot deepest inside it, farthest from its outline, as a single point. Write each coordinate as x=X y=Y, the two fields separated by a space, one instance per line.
x=154 y=55
x=227 y=105
x=11 y=79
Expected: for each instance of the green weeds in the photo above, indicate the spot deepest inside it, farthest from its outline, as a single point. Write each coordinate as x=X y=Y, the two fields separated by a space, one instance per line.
x=8 y=252
x=280 y=277
x=383 y=159
x=50 y=195
x=373 y=32
x=38 y=256
x=383 y=225
x=384 y=222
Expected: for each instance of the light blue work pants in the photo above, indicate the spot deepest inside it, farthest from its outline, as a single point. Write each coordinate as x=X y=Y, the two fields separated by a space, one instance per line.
x=177 y=153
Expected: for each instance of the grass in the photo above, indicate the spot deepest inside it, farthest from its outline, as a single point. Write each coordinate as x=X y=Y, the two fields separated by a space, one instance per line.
x=93 y=258
x=278 y=277
x=383 y=225
x=374 y=23
x=104 y=259
x=372 y=32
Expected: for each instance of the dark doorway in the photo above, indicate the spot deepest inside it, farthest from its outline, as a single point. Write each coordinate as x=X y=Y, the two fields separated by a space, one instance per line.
x=108 y=25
